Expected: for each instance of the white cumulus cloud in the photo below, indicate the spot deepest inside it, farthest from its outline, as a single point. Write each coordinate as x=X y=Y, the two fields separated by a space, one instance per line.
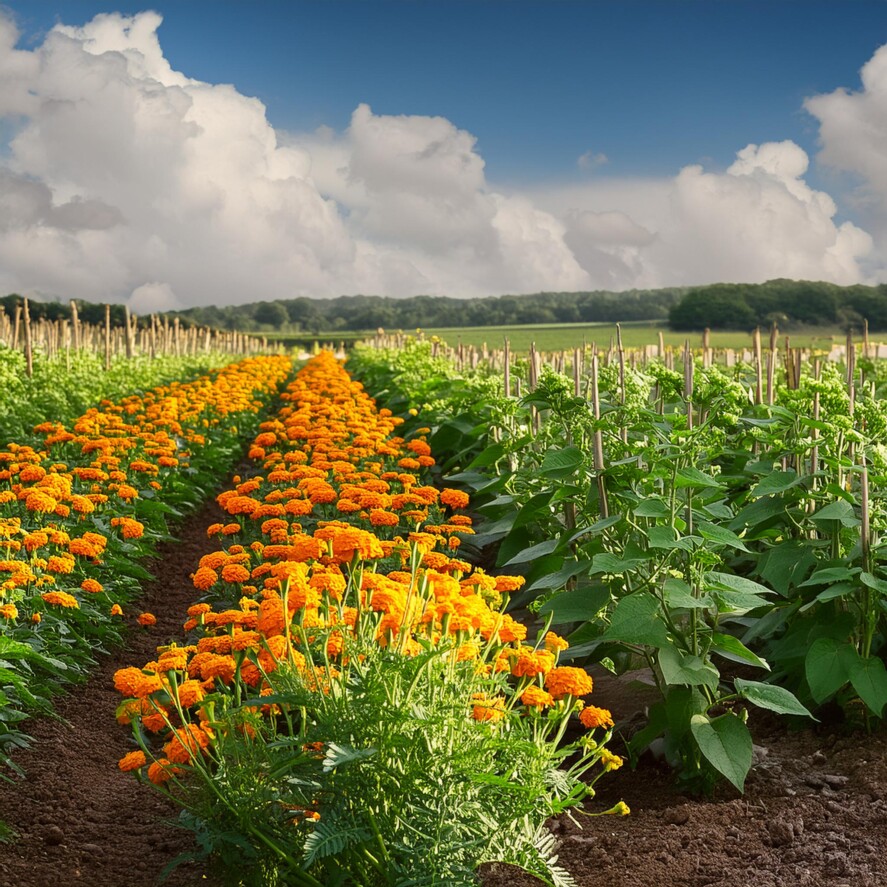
x=123 y=178
x=853 y=135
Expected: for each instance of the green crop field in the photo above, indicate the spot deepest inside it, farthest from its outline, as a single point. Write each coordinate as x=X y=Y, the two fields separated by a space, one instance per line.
x=555 y=337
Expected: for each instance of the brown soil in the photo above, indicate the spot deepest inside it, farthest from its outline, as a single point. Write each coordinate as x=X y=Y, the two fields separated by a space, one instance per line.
x=813 y=814
x=77 y=818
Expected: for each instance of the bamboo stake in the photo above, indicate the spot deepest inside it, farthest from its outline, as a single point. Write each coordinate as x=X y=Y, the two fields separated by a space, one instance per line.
x=29 y=356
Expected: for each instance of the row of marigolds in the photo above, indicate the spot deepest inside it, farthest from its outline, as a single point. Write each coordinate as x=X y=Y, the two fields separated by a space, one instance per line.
x=77 y=513
x=354 y=705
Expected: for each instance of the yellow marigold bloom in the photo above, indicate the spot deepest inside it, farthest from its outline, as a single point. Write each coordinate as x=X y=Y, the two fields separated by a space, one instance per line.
x=536 y=697
x=8 y=611
x=566 y=681
x=509 y=583
x=592 y=717
x=116 y=610
x=610 y=761
x=555 y=643
x=61 y=599
x=135 y=760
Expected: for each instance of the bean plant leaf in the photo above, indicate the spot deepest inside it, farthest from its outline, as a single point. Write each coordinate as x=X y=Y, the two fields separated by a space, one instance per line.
x=533 y=552
x=652 y=507
x=732 y=648
x=771 y=697
x=868 y=677
x=720 y=535
x=825 y=668
x=831 y=574
x=573 y=606
x=726 y=744
x=873 y=582
x=687 y=670
x=636 y=620
x=775 y=482
x=693 y=477
x=837 y=511
x=561 y=463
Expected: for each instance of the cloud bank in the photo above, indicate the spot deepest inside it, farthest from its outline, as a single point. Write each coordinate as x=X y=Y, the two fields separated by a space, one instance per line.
x=124 y=179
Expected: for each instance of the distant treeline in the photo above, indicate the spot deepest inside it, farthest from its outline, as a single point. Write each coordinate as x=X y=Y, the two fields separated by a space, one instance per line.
x=788 y=303
x=734 y=306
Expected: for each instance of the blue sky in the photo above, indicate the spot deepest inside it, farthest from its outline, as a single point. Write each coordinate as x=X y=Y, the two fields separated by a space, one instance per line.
x=584 y=144
x=651 y=84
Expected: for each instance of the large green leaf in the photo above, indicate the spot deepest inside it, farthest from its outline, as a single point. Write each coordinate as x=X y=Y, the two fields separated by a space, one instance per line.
x=771 y=697
x=732 y=648
x=687 y=670
x=666 y=537
x=533 y=552
x=775 y=482
x=726 y=744
x=636 y=620
x=561 y=463
x=868 y=677
x=720 y=535
x=652 y=507
x=693 y=477
x=837 y=511
x=825 y=668
x=573 y=606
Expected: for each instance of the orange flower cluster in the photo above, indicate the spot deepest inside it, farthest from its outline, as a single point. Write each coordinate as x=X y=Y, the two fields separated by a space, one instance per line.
x=83 y=500
x=337 y=532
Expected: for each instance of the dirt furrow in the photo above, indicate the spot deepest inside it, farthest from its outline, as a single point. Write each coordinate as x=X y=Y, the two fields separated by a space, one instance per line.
x=77 y=818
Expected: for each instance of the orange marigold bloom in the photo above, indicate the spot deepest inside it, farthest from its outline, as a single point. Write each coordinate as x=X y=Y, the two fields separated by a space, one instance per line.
x=509 y=583
x=486 y=709
x=187 y=742
x=536 y=697
x=566 y=681
x=116 y=610
x=190 y=692
x=135 y=760
x=235 y=573
x=92 y=586
x=554 y=643
x=454 y=498
x=61 y=599
x=592 y=717
x=205 y=578
x=532 y=662
x=147 y=619
x=162 y=771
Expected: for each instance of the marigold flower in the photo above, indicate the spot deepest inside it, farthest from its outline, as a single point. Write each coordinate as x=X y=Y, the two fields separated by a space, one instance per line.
x=566 y=681
x=486 y=709
x=536 y=697
x=592 y=717
x=454 y=498
x=162 y=771
x=235 y=573
x=8 y=611
x=204 y=578
x=92 y=586
x=135 y=760
x=61 y=599
x=116 y=610
x=147 y=619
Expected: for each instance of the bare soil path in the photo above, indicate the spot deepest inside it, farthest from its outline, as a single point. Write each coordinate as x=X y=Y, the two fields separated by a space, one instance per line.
x=78 y=819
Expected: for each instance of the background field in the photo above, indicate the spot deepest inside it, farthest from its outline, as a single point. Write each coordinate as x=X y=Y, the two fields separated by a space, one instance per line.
x=554 y=337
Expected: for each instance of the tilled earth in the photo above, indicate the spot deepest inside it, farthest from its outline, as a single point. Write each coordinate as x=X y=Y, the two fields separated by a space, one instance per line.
x=814 y=813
